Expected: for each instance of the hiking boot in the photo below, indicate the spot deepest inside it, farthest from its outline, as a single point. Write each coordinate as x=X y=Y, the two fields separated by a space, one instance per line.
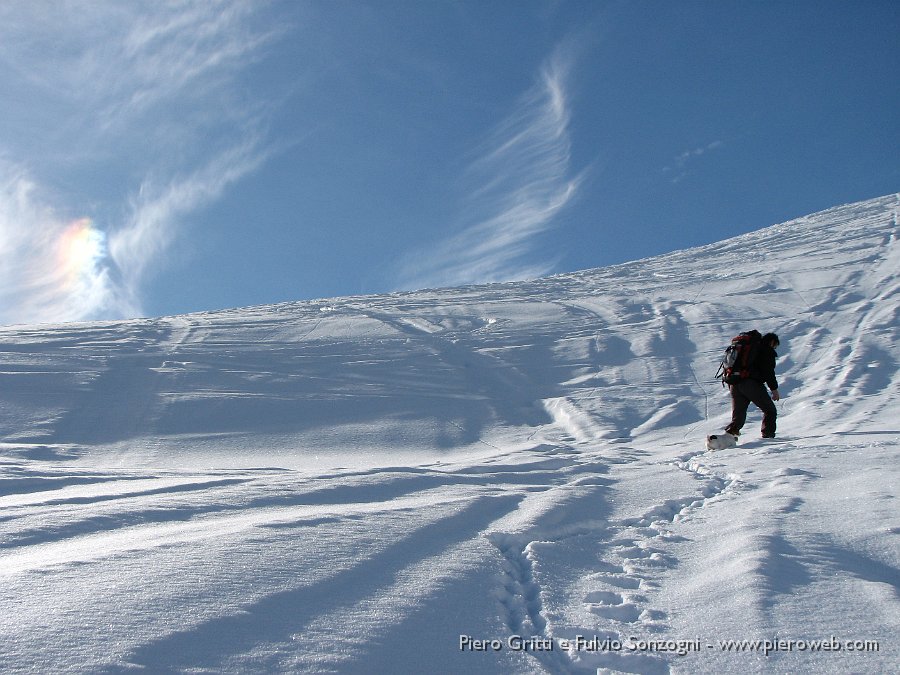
x=770 y=435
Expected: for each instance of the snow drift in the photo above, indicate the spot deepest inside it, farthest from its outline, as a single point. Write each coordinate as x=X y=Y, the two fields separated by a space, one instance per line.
x=504 y=478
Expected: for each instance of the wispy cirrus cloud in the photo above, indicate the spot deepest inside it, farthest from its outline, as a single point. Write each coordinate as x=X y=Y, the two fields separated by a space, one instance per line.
x=54 y=269
x=57 y=269
x=146 y=97
x=157 y=211
x=678 y=169
x=101 y=66
x=525 y=180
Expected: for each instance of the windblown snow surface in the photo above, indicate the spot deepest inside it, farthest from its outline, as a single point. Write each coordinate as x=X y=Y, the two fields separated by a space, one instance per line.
x=499 y=479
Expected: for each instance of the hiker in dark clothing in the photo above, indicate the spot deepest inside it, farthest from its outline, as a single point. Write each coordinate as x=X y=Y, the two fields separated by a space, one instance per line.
x=752 y=389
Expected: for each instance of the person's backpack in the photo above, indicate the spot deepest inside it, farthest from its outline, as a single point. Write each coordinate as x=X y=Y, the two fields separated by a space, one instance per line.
x=739 y=357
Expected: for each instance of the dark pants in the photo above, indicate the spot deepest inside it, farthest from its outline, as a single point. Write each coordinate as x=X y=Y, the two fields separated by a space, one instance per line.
x=744 y=393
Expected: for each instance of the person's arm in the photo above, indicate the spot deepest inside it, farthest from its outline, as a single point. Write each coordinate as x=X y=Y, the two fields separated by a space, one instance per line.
x=769 y=372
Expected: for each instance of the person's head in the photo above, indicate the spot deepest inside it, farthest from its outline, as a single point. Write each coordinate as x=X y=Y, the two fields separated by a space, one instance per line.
x=772 y=340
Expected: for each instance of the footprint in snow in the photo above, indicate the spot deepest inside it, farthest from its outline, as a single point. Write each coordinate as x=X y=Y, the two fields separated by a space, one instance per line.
x=613 y=606
x=618 y=580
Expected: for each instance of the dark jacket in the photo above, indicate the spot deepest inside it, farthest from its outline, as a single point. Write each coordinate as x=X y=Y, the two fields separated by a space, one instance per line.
x=763 y=369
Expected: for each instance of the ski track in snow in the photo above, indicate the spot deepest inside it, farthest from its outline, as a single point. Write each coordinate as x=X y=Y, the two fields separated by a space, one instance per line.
x=352 y=485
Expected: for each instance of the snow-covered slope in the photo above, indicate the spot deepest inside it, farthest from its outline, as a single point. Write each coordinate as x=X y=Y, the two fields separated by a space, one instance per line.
x=404 y=483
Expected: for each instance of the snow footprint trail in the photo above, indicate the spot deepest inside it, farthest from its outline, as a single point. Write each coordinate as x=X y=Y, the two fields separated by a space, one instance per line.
x=633 y=559
x=612 y=564
x=520 y=597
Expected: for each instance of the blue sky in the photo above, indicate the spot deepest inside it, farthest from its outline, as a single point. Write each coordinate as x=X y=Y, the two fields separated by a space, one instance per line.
x=159 y=158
